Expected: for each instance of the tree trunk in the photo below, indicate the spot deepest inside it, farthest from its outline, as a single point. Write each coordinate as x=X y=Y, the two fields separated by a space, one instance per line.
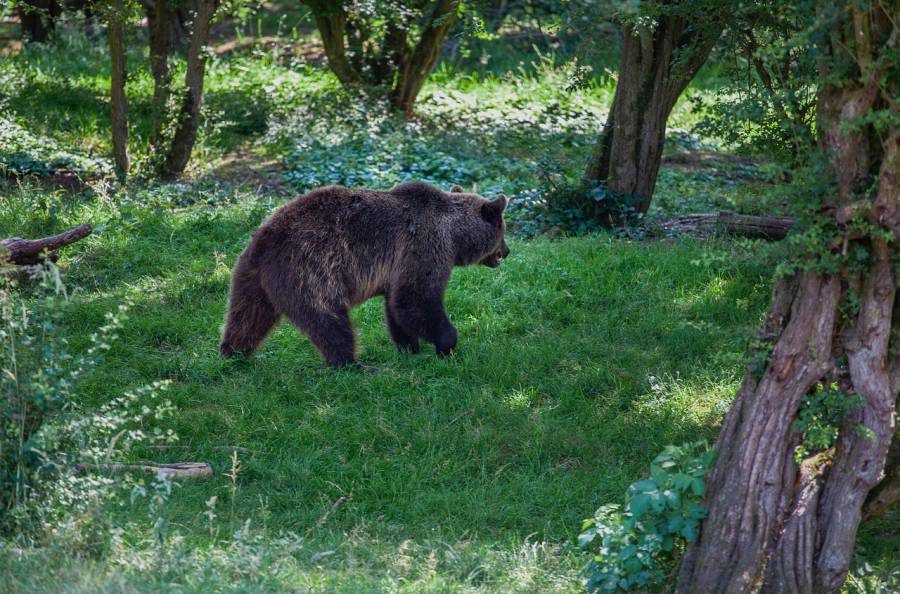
x=331 y=22
x=415 y=70
x=117 y=100
x=161 y=23
x=391 y=64
x=655 y=67
x=883 y=497
x=771 y=526
x=38 y=18
x=187 y=119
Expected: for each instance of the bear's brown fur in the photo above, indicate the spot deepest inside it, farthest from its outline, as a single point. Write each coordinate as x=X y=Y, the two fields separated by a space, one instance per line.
x=335 y=247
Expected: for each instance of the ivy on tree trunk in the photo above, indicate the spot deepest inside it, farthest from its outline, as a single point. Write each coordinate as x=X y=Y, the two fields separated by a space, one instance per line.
x=657 y=62
x=774 y=526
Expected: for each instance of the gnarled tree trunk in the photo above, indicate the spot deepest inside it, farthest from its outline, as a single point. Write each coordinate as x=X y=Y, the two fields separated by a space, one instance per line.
x=654 y=69
x=774 y=527
x=331 y=23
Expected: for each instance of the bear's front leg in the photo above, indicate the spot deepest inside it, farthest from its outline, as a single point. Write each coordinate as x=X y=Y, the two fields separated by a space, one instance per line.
x=406 y=343
x=421 y=313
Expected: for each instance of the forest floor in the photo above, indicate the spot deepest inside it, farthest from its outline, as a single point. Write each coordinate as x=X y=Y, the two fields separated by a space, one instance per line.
x=580 y=358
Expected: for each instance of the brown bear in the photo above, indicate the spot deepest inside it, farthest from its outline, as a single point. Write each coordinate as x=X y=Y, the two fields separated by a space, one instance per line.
x=335 y=247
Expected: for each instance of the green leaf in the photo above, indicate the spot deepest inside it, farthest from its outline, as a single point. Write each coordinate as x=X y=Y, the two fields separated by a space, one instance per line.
x=639 y=504
x=676 y=524
x=643 y=486
x=668 y=543
x=698 y=487
x=681 y=481
x=660 y=476
x=632 y=565
x=674 y=498
x=586 y=537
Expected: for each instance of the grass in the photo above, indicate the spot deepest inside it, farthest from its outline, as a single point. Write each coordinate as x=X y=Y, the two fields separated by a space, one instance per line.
x=580 y=357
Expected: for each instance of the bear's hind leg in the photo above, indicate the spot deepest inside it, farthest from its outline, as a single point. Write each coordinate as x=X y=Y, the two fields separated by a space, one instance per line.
x=251 y=317
x=406 y=343
x=332 y=333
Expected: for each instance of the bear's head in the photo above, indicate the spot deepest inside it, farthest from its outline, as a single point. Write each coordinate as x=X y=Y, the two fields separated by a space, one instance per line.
x=492 y=212
x=480 y=238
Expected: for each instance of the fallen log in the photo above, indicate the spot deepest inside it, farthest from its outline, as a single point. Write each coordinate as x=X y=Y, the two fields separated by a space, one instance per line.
x=728 y=223
x=16 y=250
x=174 y=470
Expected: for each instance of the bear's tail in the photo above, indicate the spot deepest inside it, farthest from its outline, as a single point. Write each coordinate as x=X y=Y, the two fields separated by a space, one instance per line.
x=251 y=316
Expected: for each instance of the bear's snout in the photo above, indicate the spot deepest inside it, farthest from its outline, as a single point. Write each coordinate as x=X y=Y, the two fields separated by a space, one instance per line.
x=493 y=260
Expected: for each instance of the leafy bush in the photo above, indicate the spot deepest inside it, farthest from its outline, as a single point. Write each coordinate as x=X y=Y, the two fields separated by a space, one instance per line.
x=820 y=416
x=635 y=547
x=25 y=153
x=564 y=204
x=44 y=434
x=765 y=104
x=491 y=141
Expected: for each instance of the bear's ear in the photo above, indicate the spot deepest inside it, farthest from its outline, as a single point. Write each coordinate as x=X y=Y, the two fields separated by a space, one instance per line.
x=492 y=211
x=456 y=189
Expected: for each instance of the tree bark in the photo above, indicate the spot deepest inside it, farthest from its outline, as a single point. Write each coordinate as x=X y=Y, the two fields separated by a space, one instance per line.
x=771 y=526
x=886 y=495
x=117 y=100
x=161 y=24
x=187 y=119
x=331 y=22
x=174 y=470
x=654 y=69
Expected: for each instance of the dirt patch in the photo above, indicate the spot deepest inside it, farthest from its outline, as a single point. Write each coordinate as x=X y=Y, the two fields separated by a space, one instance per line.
x=704 y=159
x=308 y=51
x=248 y=166
x=64 y=179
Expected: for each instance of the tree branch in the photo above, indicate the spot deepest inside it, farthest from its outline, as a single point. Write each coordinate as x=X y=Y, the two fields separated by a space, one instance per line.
x=31 y=251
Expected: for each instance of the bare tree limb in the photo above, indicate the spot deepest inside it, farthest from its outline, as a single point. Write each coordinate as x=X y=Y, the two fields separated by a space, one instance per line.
x=31 y=251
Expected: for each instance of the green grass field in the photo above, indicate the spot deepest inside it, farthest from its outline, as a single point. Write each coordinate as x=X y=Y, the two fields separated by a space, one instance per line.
x=579 y=358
